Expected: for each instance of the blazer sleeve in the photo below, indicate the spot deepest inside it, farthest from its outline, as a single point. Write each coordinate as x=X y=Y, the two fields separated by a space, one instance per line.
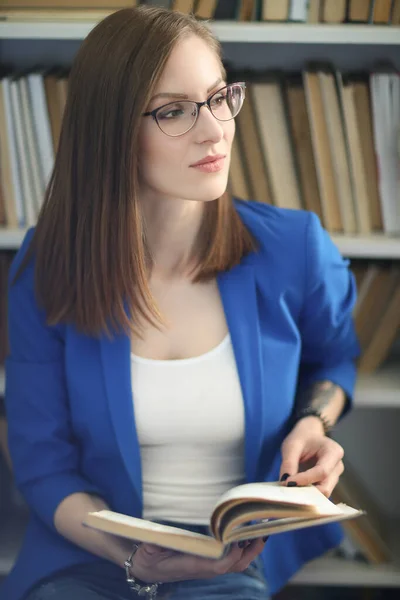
x=44 y=455
x=329 y=342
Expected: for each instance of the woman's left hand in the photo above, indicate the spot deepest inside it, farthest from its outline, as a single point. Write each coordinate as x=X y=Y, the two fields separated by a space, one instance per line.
x=308 y=456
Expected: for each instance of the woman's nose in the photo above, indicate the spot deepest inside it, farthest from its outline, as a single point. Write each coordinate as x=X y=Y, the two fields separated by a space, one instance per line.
x=208 y=127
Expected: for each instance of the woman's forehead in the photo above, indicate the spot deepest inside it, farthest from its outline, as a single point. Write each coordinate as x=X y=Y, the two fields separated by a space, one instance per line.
x=192 y=66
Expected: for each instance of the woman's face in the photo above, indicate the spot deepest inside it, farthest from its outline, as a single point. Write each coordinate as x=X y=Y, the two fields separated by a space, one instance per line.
x=166 y=163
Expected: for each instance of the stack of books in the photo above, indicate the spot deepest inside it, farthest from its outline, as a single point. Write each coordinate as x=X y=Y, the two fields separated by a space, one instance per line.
x=318 y=140
x=374 y=12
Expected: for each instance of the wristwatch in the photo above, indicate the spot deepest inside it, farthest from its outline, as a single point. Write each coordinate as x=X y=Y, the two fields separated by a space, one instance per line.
x=144 y=590
x=309 y=411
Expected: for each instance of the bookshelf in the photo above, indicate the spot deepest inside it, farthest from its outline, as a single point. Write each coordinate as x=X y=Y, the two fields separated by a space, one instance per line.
x=227 y=31
x=263 y=45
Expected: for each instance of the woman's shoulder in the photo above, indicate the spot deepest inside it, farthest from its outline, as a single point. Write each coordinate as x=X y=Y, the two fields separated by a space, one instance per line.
x=274 y=226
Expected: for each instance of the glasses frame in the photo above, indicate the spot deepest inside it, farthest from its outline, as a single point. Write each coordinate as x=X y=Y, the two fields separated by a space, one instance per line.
x=153 y=113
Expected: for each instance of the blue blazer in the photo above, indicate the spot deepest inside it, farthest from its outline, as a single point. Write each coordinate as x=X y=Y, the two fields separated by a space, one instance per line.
x=69 y=396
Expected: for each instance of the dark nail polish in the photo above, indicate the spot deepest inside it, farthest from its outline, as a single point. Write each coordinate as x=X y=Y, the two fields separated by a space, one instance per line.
x=292 y=484
x=265 y=538
x=285 y=476
x=241 y=544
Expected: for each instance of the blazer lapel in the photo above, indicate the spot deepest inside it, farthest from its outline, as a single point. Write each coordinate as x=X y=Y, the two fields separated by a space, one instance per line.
x=238 y=293
x=115 y=355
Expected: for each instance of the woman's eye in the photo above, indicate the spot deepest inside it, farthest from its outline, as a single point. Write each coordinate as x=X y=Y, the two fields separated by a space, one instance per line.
x=218 y=101
x=171 y=113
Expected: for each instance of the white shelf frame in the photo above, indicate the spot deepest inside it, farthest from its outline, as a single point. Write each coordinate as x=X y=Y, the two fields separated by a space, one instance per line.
x=333 y=571
x=330 y=571
x=368 y=246
x=226 y=31
x=373 y=246
x=11 y=239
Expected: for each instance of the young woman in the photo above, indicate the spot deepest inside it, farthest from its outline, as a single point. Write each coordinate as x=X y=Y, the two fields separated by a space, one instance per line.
x=167 y=342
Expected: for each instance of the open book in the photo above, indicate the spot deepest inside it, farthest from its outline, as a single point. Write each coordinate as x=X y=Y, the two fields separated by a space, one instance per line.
x=245 y=512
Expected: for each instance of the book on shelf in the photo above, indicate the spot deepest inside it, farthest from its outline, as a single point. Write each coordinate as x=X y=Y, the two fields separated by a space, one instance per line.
x=330 y=208
x=272 y=11
x=376 y=315
x=81 y=4
x=368 y=533
x=385 y=101
x=300 y=138
x=275 y=11
x=359 y=11
x=250 y=152
x=377 y=287
x=333 y=11
x=337 y=140
x=269 y=107
x=245 y=512
x=384 y=335
x=381 y=11
x=314 y=11
x=298 y=11
x=74 y=15
x=205 y=9
x=395 y=16
x=183 y=6
x=355 y=158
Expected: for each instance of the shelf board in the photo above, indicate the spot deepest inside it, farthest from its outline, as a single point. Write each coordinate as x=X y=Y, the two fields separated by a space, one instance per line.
x=226 y=31
x=330 y=570
x=380 y=389
x=11 y=239
x=368 y=246
x=373 y=246
x=334 y=571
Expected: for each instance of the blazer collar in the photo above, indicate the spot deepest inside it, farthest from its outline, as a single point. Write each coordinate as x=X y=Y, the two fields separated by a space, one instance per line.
x=238 y=293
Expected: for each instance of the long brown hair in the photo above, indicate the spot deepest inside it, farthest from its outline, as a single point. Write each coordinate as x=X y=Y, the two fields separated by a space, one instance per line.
x=91 y=257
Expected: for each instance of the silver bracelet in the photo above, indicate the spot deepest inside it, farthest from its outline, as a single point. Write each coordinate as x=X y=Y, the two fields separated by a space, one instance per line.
x=148 y=590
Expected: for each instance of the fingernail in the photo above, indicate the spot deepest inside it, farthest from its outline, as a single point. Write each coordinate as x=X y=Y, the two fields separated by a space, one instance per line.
x=292 y=484
x=285 y=476
x=265 y=538
x=241 y=544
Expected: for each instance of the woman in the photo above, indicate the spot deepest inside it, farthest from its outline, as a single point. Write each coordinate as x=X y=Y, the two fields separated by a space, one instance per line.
x=166 y=342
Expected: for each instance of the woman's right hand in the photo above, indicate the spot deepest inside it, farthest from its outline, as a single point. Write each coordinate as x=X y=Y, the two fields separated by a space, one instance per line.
x=153 y=564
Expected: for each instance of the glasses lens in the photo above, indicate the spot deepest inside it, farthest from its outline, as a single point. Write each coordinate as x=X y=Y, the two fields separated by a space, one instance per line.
x=226 y=103
x=177 y=118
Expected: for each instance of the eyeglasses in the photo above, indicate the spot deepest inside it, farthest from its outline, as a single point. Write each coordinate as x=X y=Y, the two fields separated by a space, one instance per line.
x=177 y=118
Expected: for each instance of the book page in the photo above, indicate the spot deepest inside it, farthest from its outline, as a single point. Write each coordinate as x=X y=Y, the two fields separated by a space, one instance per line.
x=273 y=491
x=165 y=536
x=274 y=526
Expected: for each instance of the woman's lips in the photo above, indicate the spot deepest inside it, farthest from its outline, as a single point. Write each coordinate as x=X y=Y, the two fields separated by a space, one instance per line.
x=211 y=166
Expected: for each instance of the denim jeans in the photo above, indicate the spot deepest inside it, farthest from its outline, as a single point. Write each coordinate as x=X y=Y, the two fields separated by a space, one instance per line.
x=106 y=581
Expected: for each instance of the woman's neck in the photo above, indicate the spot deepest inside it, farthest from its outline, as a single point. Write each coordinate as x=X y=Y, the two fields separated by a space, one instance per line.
x=171 y=230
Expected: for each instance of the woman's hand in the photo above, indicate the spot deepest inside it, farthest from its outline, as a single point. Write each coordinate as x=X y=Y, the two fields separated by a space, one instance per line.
x=308 y=456
x=154 y=564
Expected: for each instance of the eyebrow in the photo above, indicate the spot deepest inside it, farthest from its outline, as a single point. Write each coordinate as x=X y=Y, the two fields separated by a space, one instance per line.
x=183 y=96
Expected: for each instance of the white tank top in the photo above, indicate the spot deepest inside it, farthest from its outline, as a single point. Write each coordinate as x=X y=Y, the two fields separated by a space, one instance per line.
x=190 y=421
